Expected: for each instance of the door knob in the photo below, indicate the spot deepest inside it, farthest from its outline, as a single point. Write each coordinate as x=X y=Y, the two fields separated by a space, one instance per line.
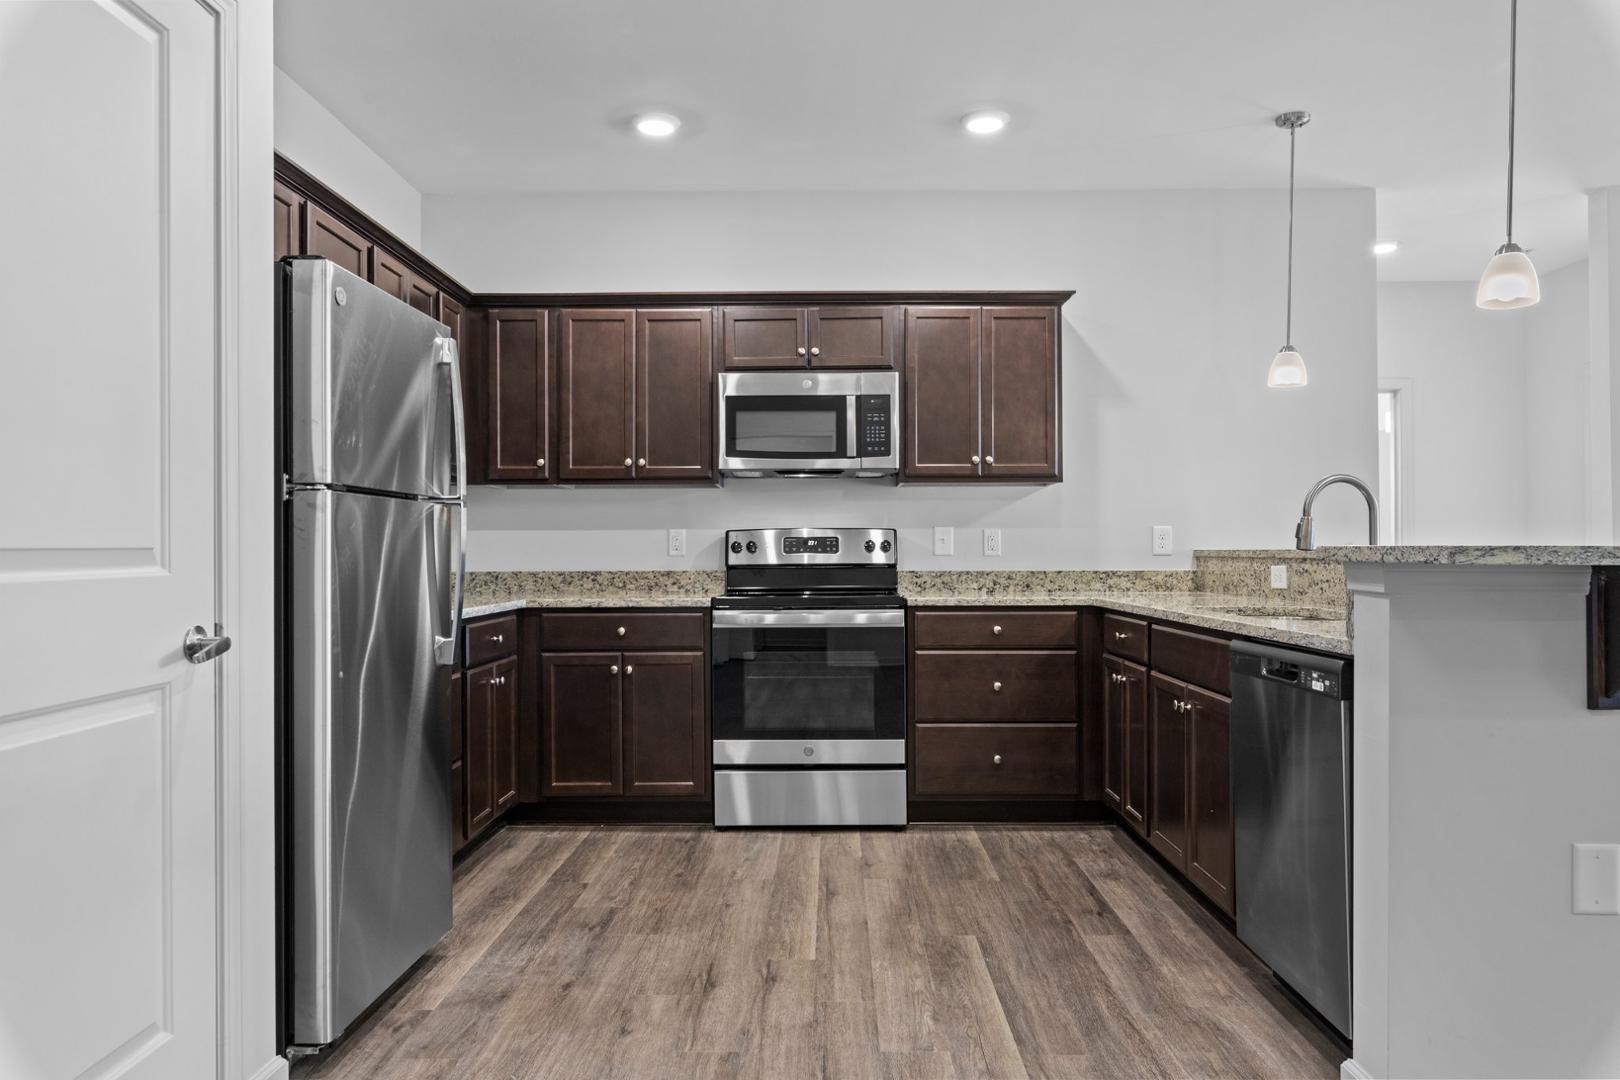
x=815 y=350
x=641 y=463
x=613 y=670
x=996 y=687
x=996 y=760
x=801 y=350
x=628 y=668
x=539 y=463
x=989 y=459
x=975 y=459
x=199 y=647
x=627 y=463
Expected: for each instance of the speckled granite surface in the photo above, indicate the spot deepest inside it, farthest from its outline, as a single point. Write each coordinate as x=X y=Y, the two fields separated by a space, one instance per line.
x=1436 y=554
x=490 y=592
x=1318 y=582
x=975 y=583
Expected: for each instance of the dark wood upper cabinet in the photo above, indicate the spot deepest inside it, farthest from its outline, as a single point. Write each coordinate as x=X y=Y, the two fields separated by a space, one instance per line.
x=764 y=337
x=942 y=392
x=503 y=712
x=518 y=395
x=1019 y=393
x=289 y=221
x=467 y=328
x=853 y=337
x=1210 y=849
x=665 y=749
x=674 y=394
x=331 y=239
x=596 y=424
x=420 y=294
x=1169 y=724
x=582 y=750
x=389 y=274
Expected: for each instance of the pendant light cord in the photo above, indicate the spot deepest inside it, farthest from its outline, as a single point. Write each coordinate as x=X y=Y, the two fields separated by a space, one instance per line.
x=1513 y=81
x=1288 y=325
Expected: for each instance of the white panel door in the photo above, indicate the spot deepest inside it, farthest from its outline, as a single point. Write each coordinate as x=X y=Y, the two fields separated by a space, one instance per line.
x=110 y=170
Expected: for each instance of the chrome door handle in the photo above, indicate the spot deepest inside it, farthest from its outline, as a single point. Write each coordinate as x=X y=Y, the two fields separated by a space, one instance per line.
x=199 y=647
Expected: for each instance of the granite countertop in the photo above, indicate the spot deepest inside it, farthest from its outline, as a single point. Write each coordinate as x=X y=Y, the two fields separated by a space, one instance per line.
x=1437 y=554
x=620 y=600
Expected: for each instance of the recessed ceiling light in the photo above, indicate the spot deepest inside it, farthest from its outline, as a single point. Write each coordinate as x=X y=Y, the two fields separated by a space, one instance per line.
x=657 y=125
x=985 y=122
x=1386 y=247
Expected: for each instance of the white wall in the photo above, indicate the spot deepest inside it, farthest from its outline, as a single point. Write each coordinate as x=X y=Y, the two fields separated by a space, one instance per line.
x=1556 y=370
x=1177 y=312
x=308 y=133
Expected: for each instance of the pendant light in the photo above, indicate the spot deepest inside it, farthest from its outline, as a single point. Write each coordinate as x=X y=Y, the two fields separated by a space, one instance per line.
x=1288 y=367
x=1510 y=278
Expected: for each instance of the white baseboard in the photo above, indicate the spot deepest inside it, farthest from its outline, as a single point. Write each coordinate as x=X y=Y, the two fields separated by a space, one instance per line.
x=274 y=1069
x=1350 y=1069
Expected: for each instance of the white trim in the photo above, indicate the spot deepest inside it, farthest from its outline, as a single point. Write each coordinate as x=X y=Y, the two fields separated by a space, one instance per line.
x=1405 y=391
x=1350 y=1069
x=277 y=1068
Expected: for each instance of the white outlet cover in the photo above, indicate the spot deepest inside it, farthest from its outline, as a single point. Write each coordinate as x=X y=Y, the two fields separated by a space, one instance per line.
x=992 y=542
x=1596 y=879
x=677 y=541
x=944 y=540
x=1163 y=544
x=1279 y=576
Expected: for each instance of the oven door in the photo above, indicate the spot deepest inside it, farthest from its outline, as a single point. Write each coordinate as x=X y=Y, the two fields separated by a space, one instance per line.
x=809 y=687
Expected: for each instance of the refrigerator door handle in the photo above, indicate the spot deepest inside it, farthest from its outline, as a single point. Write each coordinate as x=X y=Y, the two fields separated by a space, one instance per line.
x=444 y=648
x=449 y=356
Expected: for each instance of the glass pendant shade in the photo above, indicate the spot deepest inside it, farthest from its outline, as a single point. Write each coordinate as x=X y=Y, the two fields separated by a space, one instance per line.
x=1509 y=281
x=1287 y=370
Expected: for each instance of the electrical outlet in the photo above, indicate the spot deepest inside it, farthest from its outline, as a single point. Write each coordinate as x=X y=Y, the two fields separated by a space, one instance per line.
x=992 y=542
x=1161 y=540
x=1596 y=879
x=944 y=540
x=677 y=541
x=1279 y=576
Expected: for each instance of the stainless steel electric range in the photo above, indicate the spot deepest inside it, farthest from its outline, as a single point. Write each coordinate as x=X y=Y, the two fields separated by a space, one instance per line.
x=809 y=680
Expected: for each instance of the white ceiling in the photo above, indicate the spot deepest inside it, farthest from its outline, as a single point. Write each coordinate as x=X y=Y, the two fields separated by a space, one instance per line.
x=1409 y=97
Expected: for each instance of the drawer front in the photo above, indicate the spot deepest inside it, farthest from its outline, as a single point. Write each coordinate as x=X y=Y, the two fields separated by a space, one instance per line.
x=1199 y=659
x=1126 y=637
x=986 y=628
x=491 y=639
x=961 y=760
x=621 y=630
x=995 y=685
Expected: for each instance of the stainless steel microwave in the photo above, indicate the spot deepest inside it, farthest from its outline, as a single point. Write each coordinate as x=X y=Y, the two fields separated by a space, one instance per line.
x=809 y=423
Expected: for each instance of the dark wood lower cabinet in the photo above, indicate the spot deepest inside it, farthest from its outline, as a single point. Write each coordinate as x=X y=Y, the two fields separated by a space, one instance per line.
x=478 y=759
x=1168 y=824
x=1210 y=849
x=666 y=753
x=997 y=760
x=582 y=747
x=504 y=735
x=1125 y=772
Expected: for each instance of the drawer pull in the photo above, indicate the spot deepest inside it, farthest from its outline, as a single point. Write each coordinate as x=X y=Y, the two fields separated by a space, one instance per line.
x=497 y=638
x=996 y=686
x=1120 y=635
x=621 y=631
x=613 y=670
x=996 y=760
x=996 y=630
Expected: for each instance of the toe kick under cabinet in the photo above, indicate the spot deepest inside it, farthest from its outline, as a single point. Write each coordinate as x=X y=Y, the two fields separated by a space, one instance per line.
x=994 y=705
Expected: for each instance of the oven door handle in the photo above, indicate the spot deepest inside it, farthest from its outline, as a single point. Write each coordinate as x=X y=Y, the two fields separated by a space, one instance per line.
x=727 y=618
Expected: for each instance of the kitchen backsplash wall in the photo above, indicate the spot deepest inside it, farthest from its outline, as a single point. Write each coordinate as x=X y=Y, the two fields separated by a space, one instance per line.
x=1167 y=419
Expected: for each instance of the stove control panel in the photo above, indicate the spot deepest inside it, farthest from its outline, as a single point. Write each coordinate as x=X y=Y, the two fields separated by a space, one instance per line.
x=811 y=547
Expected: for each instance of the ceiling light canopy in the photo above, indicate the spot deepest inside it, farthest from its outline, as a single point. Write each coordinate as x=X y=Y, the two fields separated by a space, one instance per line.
x=1287 y=370
x=1510 y=278
x=1386 y=247
x=985 y=121
x=657 y=125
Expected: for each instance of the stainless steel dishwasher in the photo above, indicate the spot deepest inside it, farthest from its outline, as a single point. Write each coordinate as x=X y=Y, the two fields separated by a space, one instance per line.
x=1291 y=809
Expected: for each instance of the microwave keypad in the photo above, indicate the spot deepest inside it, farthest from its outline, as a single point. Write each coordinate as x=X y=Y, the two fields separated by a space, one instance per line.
x=872 y=412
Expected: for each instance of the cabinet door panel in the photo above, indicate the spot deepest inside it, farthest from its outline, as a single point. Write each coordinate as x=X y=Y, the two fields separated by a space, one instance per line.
x=420 y=294
x=466 y=327
x=519 y=395
x=478 y=752
x=331 y=239
x=503 y=728
x=289 y=221
x=664 y=745
x=1114 y=701
x=389 y=274
x=1134 y=799
x=942 y=392
x=1167 y=750
x=595 y=394
x=1020 y=392
x=674 y=394
x=853 y=337
x=581 y=733
x=1210 y=851
x=760 y=337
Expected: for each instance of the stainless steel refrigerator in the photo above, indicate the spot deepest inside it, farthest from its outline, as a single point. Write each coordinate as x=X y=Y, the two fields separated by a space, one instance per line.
x=374 y=456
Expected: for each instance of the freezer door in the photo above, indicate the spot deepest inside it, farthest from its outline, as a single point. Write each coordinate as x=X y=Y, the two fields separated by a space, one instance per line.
x=373 y=387
x=368 y=850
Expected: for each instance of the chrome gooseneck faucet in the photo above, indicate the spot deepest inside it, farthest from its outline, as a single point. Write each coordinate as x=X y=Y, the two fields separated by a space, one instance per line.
x=1304 y=541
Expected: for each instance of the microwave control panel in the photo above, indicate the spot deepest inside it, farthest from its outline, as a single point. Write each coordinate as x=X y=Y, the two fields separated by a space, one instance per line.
x=873 y=412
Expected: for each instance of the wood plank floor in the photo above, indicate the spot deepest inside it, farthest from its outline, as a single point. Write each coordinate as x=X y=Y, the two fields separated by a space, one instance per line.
x=938 y=952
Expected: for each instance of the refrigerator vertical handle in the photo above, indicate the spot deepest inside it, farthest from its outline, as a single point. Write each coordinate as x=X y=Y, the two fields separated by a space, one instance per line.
x=444 y=649
x=449 y=355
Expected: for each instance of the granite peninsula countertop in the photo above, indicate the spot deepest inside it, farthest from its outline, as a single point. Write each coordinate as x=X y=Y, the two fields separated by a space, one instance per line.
x=1435 y=554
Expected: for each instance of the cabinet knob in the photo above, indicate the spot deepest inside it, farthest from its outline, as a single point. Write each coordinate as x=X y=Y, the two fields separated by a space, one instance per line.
x=1120 y=636
x=989 y=459
x=975 y=459
x=613 y=669
x=996 y=760
x=539 y=463
x=996 y=630
x=627 y=463
x=996 y=687
x=815 y=350
x=641 y=463
x=628 y=668
x=497 y=638
x=801 y=350
x=621 y=631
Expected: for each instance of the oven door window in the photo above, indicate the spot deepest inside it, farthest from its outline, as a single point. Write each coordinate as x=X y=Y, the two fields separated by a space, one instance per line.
x=772 y=426
x=809 y=682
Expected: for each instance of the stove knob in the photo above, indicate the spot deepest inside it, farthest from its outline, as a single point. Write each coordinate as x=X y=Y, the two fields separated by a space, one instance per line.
x=752 y=547
x=885 y=545
x=736 y=546
x=870 y=547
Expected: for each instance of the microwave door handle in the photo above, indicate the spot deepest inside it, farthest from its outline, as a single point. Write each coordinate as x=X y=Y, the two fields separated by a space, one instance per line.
x=852 y=444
